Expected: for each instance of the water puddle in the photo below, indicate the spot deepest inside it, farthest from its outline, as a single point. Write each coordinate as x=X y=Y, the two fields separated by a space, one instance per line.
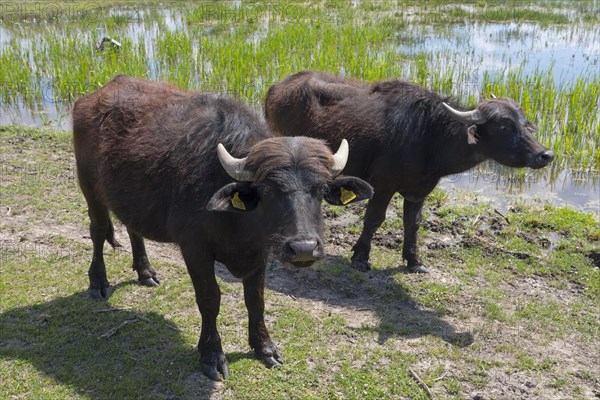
x=565 y=188
x=569 y=52
x=46 y=115
x=469 y=50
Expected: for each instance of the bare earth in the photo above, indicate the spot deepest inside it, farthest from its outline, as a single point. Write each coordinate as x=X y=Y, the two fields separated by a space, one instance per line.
x=492 y=358
x=362 y=309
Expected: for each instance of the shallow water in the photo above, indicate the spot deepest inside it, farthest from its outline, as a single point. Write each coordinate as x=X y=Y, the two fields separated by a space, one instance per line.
x=568 y=188
x=571 y=52
x=470 y=49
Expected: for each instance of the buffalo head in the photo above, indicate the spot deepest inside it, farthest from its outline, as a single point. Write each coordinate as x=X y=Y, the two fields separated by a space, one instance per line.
x=501 y=129
x=282 y=182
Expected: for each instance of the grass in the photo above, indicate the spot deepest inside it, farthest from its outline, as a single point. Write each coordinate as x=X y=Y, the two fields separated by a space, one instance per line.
x=216 y=46
x=499 y=302
x=504 y=294
x=52 y=345
x=36 y=11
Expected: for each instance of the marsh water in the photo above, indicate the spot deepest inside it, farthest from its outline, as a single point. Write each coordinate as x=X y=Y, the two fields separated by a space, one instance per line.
x=471 y=51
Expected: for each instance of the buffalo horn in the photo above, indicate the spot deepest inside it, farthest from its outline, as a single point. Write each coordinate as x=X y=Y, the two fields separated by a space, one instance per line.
x=340 y=158
x=468 y=117
x=234 y=166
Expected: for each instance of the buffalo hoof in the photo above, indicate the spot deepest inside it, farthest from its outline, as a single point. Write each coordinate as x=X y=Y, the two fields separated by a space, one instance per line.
x=212 y=369
x=102 y=293
x=150 y=282
x=146 y=275
x=418 y=269
x=272 y=361
x=271 y=357
x=361 y=265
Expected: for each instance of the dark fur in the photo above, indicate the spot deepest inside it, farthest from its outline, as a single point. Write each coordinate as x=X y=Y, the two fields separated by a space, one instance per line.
x=268 y=158
x=401 y=140
x=147 y=152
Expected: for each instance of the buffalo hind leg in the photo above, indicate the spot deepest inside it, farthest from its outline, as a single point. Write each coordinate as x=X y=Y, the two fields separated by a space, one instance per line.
x=258 y=336
x=146 y=275
x=374 y=217
x=100 y=230
x=208 y=297
x=412 y=222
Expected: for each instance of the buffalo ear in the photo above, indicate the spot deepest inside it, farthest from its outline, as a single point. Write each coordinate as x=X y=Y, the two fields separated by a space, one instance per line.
x=347 y=189
x=472 y=137
x=236 y=197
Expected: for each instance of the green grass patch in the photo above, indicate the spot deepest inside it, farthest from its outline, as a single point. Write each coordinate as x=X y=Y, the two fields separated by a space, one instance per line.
x=243 y=49
x=344 y=333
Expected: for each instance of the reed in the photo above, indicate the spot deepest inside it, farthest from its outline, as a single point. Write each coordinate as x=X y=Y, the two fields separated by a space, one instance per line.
x=243 y=49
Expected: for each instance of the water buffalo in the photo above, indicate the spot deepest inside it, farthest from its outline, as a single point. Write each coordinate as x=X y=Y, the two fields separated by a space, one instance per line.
x=403 y=137
x=157 y=157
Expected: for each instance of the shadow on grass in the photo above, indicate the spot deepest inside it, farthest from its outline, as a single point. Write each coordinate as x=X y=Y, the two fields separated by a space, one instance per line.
x=399 y=315
x=89 y=346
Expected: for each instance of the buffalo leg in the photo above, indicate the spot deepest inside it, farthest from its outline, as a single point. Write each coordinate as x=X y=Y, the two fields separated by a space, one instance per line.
x=208 y=298
x=146 y=275
x=99 y=228
x=258 y=336
x=412 y=222
x=374 y=217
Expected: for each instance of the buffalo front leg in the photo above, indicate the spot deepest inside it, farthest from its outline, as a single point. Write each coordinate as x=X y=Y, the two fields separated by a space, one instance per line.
x=412 y=222
x=374 y=217
x=146 y=275
x=208 y=298
x=258 y=336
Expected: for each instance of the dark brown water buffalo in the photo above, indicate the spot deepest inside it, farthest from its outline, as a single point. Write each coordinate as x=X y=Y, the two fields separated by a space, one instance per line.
x=156 y=157
x=403 y=137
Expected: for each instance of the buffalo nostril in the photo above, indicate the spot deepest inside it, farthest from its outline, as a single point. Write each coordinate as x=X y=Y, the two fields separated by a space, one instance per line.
x=302 y=250
x=547 y=156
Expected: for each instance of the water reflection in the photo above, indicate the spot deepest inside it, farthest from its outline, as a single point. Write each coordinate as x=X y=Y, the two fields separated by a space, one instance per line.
x=501 y=186
x=470 y=50
x=570 y=52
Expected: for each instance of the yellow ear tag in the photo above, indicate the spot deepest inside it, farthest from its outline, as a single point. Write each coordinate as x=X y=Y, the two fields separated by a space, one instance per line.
x=346 y=196
x=236 y=202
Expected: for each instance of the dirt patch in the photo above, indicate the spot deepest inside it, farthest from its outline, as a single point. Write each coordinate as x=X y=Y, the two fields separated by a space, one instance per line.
x=334 y=289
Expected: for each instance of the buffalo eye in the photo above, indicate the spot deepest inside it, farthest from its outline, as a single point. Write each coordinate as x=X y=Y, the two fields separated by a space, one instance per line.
x=267 y=191
x=320 y=190
x=531 y=128
x=506 y=125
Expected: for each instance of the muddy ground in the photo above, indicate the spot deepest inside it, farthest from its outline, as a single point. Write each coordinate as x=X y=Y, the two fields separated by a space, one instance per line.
x=472 y=331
